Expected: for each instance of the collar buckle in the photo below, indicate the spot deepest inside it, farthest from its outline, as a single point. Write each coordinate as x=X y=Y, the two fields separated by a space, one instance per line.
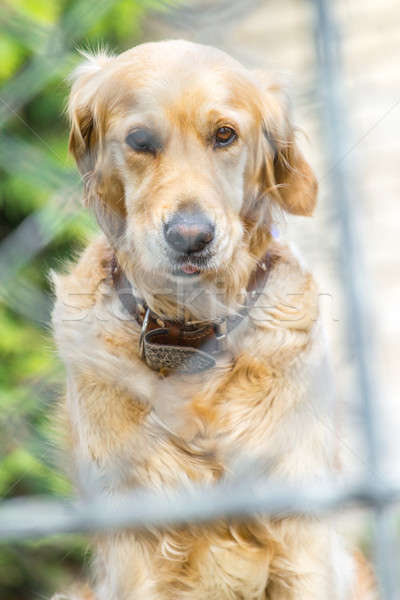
x=221 y=332
x=143 y=332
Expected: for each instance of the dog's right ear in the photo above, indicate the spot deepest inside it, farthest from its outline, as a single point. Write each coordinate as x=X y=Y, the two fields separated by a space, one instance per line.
x=83 y=110
x=87 y=109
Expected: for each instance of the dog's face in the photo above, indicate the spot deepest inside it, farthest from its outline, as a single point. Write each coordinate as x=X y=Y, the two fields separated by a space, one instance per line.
x=183 y=153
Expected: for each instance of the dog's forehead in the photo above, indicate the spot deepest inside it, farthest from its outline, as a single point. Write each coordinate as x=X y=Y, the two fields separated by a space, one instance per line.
x=183 y=95
x=193 y=95
x=159 y=83
x=178 y=84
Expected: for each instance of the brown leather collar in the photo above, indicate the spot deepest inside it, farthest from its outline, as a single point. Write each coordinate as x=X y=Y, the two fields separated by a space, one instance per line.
x=185 y=346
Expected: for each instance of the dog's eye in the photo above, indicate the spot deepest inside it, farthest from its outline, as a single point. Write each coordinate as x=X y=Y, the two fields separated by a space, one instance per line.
x=225 y=136
x=143 y=140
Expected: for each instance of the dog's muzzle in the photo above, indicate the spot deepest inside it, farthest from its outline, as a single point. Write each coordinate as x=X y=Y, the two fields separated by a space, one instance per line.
x=188 y=233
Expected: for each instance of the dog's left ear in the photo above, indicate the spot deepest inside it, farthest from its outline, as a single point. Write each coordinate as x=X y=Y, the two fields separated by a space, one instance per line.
x=286 y=175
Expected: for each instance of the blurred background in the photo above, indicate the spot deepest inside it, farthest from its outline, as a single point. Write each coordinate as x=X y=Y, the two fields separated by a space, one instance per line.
x=42 y=223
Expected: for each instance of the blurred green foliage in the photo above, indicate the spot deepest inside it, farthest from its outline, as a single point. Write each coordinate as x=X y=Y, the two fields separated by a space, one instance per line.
x=38 y=41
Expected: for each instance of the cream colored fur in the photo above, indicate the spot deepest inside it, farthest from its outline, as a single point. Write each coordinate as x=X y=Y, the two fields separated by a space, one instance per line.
x=127 y=426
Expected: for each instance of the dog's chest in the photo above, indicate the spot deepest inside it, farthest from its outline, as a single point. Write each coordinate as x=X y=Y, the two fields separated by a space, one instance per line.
x=197 y=428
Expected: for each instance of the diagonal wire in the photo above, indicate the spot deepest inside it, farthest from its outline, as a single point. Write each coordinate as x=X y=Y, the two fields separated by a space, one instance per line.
x=53 y=55
x=35 y=133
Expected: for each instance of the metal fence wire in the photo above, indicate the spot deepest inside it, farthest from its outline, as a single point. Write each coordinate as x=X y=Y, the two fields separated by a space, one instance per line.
x=28 y=517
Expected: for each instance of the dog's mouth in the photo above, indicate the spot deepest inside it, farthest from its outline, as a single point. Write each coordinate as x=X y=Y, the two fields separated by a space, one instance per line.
x=189 y=267
x=188 y=270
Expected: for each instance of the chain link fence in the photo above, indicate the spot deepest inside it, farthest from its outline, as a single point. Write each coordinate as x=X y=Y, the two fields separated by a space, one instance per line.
x=27 y=517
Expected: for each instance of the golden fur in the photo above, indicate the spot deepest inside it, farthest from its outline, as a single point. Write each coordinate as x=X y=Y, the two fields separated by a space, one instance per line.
x=126 y=425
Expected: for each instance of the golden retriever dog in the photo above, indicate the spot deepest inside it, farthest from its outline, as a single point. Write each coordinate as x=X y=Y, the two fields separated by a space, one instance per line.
x=189 y=333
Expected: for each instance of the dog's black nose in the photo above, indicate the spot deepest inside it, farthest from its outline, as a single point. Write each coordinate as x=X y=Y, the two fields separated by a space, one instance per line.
x=189 y=231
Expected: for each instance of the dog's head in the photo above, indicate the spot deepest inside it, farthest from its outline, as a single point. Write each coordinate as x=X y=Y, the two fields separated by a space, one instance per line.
x=183 y=153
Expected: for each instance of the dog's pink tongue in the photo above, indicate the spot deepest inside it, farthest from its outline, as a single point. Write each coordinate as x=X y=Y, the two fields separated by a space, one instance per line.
x=189 y=269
